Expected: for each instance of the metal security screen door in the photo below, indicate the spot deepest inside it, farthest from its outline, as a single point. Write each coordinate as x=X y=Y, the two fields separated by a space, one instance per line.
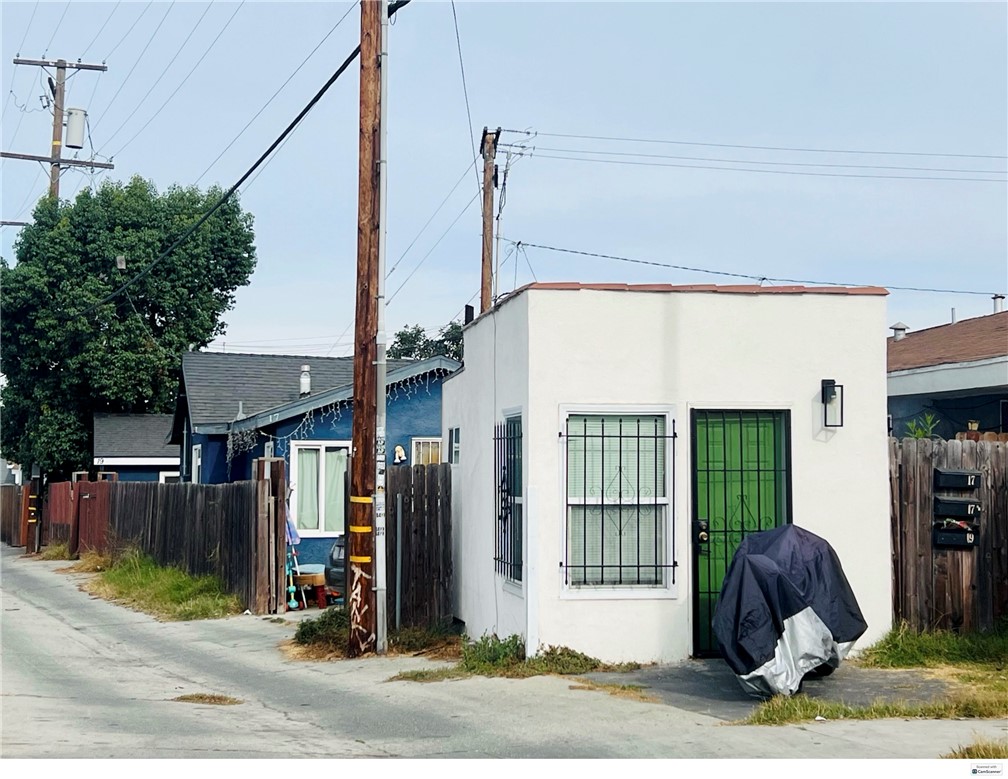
x=741 y=484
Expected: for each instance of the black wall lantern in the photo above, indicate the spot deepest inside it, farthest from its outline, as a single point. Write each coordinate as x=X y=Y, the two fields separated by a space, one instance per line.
x=832 y=403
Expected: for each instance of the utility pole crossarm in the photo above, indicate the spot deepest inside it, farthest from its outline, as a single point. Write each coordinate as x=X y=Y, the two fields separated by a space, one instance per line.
x=50 y=161
x=60 y=63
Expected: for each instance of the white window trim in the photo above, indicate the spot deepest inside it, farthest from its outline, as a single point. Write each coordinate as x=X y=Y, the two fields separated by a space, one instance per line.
x=454 y=447
x=668 y=591
x=426 y=440
x=164 y=475
x=268 y=449
x=309 y=444
x=196 y=464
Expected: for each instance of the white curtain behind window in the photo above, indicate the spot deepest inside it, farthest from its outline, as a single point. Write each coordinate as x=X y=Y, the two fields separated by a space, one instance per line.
x=307 y=489
x=335 y=489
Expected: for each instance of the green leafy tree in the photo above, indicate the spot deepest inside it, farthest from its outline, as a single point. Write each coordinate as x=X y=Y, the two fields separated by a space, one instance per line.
x=65 y=355
x=412 y=343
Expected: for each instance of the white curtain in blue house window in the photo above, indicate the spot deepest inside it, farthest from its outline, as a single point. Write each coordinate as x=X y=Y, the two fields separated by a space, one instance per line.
x=335 y=489
x=307 y=489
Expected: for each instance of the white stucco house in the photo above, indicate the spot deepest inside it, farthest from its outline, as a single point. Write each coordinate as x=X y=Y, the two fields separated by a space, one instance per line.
x=611 y=444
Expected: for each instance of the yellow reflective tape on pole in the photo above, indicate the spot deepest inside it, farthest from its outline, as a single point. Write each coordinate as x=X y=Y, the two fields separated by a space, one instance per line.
x=355 y=559
x=360 y=528
x=359 y=499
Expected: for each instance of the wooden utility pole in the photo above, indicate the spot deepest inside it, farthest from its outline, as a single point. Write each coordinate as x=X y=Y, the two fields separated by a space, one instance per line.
x=56 y=149
x=57 y=128
x=488 y=148
x=361 y=549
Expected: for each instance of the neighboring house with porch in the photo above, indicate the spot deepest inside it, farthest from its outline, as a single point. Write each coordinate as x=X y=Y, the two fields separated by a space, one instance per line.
x=615 y=443
x=134 y=446
x=956 y=372
x=234 y=408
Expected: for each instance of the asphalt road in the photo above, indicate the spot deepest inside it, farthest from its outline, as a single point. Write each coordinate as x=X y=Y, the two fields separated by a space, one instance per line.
x=83 y=678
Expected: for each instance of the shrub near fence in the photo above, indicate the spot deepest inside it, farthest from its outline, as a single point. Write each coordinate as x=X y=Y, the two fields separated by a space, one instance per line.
x=959 y=588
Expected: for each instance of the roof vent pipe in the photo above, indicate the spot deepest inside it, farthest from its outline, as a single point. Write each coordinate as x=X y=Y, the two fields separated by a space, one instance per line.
x=305 y=380
x=998 y=302
x=899 y=331
x=953 y=315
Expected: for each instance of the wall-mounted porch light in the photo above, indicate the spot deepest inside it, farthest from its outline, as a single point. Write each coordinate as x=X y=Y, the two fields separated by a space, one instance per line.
x=832 y=403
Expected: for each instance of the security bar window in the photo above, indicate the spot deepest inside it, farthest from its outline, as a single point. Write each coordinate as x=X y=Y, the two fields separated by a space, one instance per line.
x=617 y=501
x=510 y=504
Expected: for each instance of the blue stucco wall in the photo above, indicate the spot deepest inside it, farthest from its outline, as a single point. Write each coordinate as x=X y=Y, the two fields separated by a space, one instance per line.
x=139 y=472
x=953 y=412
x=214 y=458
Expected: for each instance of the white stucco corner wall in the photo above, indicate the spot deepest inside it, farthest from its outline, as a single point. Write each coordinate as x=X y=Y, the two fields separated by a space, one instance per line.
x=545 y=351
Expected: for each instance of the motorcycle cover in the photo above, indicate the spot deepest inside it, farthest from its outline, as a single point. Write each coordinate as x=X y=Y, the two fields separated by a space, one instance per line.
x=785 y=610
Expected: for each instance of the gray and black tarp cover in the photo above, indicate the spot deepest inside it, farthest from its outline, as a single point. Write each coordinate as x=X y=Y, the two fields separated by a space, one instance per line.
x=785 y=610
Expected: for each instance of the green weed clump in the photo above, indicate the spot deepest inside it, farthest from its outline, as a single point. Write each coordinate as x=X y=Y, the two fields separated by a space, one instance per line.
x=981 y=750
x=781 y=710
x=903 y=647
x=330 y=630
x=166 y=592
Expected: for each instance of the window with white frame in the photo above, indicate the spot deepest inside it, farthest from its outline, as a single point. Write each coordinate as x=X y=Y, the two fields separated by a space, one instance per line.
x=318 y=490
x=617 y=500
x=453 y=446
x=426 y=451
x=197 y=464
x=168 y=477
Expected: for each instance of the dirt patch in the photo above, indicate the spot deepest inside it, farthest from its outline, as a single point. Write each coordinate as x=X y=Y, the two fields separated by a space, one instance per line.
x=210 y=698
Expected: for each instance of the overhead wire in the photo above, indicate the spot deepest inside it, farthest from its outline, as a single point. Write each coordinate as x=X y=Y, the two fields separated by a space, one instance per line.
x=764 y=170
x=100 y=30
x=393 y=8
x=763 y=162
x=127 y=33
x=10 y=92
x=750 y=276
x=465 y=93
x=164 y=72
x=138 y=60
x=277 y=92
x=761 y=148
x=183 y=81
x=56 y=29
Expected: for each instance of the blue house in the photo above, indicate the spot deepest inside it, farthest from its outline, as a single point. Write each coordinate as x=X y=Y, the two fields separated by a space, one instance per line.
x=234 y=408
x=133 y=446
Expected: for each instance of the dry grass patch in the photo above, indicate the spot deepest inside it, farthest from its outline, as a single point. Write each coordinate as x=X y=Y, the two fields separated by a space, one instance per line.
x=981 y=750
x=210 y=698
x=55 y=552
x=634 y=692
x=89 y=562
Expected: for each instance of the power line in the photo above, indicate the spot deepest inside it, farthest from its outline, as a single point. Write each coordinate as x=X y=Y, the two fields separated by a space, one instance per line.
x=760 y=162
x=55 y=30
x=290 y=128
x=10 y=92
x=127 y=34
x=183 y=81
x=739 y=275
x=273 y=96
x=101 y=30
x=422 y=229
x=164 y=72
x=139 y=58
x=431 y=250
x=465 y=92
x=763 y=170
x=761 y=148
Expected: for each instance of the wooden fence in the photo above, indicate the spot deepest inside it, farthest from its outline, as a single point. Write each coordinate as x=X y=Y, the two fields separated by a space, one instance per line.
x=232 y=531
x=12 y=499
x=57 y=513
x=425 y=566
x=963 y=589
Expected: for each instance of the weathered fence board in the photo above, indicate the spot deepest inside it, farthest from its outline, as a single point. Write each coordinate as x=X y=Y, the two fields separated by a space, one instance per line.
x=11 y=498
x=424 y=546
x=963 y=589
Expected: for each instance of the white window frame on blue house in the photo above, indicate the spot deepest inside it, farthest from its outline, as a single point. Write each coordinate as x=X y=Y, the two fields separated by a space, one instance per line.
x=196 y=464
x=323 y=526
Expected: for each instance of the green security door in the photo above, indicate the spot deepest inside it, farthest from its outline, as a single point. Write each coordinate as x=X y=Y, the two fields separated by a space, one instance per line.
x=741 y=484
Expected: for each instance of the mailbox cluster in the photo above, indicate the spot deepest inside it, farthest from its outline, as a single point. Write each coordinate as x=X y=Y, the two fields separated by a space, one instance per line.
x=956 y=519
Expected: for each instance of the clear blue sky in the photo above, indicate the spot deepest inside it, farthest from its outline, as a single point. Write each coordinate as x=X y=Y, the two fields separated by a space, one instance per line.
x=920 y=79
